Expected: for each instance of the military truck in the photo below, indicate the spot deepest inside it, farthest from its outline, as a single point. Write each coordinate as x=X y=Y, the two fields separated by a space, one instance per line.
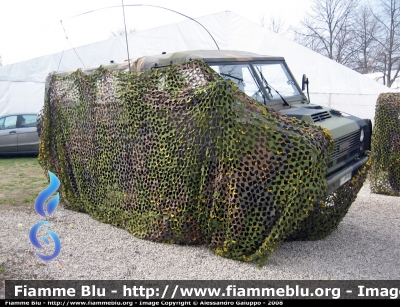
x=175 y=153
x=269 y=80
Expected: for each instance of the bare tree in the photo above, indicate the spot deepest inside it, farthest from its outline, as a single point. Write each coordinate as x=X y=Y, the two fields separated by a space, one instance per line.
x=121 y=32
x=366 y=31
x=276 y=25
x=388 y=17
x=262 y=21
x=328 y=29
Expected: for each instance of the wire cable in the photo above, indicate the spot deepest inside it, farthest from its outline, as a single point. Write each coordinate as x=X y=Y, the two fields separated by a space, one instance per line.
x=59 y=63
x=66 y=36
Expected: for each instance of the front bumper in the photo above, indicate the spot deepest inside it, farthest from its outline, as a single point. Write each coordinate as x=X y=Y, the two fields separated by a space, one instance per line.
x=335 y=181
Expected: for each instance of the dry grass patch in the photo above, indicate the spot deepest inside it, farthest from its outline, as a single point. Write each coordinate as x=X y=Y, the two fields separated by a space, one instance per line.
x=21 y=180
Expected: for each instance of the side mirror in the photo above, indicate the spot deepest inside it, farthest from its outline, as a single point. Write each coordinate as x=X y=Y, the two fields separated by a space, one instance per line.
x=304 y=82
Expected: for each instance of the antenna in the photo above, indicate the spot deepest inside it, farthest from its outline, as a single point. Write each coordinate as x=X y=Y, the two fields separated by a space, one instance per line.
x=179 y=14
x=126 y=36
x=108 y=7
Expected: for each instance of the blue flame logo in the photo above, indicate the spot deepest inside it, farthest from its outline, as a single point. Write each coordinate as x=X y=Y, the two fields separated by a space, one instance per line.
x=40 y=209
x=46 y=193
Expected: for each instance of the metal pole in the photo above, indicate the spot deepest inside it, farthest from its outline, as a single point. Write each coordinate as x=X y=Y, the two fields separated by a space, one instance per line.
x=126 y=36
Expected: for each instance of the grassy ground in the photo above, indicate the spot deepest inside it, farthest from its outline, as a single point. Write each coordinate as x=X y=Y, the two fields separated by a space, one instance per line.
x=21 y=180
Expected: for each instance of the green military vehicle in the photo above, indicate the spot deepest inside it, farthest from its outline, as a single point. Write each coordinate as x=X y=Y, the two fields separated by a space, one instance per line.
x=269 y=80
x=165 y=147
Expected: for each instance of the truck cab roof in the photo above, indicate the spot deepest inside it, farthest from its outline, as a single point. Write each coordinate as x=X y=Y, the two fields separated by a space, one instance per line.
x=145 y=63
x=209 y=56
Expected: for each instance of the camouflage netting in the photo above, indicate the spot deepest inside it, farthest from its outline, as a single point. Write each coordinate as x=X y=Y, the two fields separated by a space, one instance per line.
x=179 y=155
x=385 y=145
x=329 y=212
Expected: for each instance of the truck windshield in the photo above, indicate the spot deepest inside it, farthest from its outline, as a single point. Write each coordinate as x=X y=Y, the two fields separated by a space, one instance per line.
x=243 y=76
x=249 y=78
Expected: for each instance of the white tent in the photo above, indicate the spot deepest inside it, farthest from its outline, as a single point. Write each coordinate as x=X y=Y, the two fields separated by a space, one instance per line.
x=331 y=84
x=378 y=77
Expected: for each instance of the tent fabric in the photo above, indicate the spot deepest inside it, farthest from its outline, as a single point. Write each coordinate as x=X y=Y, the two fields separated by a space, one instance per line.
x=378 y=77
x=331 y=84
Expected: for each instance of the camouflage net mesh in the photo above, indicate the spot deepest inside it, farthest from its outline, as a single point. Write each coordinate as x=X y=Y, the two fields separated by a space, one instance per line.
x=385 y=146
x=329 y=212
x=179 y=155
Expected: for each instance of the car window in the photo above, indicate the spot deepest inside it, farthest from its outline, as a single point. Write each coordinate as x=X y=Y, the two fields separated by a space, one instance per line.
x=28 y=121
x=9 y=122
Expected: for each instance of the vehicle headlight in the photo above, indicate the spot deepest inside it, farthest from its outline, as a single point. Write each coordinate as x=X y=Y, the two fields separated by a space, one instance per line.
x=362 y=135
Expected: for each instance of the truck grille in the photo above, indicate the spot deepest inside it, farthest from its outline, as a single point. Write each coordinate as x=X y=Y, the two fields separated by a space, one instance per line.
x=348 y=144
x=317 y=117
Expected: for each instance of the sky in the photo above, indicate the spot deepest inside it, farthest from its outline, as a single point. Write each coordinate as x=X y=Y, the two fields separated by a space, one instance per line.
x=33 y=28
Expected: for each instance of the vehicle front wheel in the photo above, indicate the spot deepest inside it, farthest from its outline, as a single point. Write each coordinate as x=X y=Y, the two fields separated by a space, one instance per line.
x=330 y=210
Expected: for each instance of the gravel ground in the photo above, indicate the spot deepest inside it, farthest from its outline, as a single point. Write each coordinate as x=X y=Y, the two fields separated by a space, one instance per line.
x=366 y=246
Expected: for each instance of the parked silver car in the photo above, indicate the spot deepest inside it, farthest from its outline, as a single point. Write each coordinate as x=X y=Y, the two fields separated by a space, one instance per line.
x=18 y=134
